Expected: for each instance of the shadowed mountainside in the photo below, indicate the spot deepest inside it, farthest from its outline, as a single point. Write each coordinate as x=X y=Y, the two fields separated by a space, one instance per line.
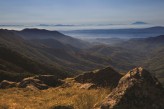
x=21 y=57
x=46 y=34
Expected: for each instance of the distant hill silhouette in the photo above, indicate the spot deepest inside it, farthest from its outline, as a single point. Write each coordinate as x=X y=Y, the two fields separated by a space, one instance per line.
x=139 y=23
x=122 y=33
x=46 y=34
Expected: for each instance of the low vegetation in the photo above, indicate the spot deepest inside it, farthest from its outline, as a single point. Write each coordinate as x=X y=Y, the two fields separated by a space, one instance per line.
x=72 y=96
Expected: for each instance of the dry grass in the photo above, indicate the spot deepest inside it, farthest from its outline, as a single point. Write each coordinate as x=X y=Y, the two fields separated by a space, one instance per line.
x=34 y=99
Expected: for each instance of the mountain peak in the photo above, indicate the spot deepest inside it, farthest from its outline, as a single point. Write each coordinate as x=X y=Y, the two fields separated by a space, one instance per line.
x=36 y=30
x=138 y=89
x=34 y=33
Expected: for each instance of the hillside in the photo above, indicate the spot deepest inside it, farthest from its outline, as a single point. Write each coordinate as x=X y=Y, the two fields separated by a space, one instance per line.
x=151 y=52
x=19 y=57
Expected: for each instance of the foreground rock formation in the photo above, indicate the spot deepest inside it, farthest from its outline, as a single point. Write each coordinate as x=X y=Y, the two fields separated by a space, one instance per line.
x=138 y=89
x=49 y=80
x=40 y=82
x=106 y=77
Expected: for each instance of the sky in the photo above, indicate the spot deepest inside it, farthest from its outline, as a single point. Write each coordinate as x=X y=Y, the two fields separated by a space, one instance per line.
x=81 y=11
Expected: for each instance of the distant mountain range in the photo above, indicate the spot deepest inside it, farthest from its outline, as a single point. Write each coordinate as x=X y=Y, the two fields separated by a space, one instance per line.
x=55 y=25
x=119 y=33
x=139 y=23
x=151 y=30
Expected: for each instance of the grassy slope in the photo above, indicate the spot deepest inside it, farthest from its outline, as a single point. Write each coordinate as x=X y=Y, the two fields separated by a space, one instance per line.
x=48 y=99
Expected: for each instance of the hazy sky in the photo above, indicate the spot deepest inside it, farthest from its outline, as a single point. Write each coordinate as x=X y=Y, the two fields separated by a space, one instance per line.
x=81 y=11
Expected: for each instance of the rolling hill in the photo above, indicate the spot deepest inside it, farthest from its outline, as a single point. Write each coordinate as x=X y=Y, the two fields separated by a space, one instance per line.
x=46 y=34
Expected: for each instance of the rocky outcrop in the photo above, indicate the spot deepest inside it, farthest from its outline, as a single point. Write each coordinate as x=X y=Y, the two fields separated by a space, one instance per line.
x=36 y=82
x=49 y=80
x=32 y=82
x=7 y=84
x=106 y=77
x=138 y=89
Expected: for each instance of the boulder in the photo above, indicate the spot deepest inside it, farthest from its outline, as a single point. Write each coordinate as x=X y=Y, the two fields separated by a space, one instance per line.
x=7 y=84
x=50 y=80
x=106 y=77
x=138 y=89
x=36 y=82
x=31 y=81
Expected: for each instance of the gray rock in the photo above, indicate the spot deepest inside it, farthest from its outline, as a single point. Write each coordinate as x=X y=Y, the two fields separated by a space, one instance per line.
x=50 y=80
x=33 y=82
x=7 y=84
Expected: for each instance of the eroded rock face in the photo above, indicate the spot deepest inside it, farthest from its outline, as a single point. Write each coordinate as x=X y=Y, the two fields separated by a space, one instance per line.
x=105 y=77
x=7 y=84
x=138 y=89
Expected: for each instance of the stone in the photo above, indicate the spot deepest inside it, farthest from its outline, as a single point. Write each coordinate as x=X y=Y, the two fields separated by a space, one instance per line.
x=7 y=84
x=34 y=82
x=106 y=77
